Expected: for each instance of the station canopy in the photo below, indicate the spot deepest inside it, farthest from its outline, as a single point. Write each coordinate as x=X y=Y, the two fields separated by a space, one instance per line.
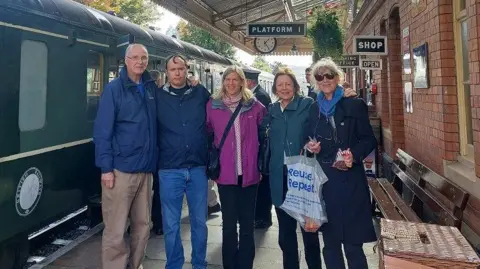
x=228 y=19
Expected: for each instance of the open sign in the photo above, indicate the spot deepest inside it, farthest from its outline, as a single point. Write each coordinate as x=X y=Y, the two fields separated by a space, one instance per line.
x=371 y=64
x=370 y=45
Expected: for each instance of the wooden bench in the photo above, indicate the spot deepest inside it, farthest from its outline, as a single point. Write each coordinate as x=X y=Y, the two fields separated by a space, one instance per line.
x=389 y=202
x=471 y=222
x=414 y=190
x=443 y=199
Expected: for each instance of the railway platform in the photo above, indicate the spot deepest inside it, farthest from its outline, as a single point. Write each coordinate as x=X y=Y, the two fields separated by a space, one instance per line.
x=87 y=255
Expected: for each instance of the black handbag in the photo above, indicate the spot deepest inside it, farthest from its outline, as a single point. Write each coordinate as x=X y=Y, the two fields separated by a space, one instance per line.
x=264 y=150
x=213 y=168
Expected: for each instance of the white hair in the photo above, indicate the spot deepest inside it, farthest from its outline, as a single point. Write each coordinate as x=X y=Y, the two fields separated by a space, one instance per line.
x=326 y=63
x=131 y=46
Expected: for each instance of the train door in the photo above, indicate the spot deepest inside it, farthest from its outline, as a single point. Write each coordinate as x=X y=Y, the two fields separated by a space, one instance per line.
x=9 y=142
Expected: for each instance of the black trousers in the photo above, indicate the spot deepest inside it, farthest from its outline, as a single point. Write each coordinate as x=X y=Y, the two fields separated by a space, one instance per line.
x=263 y=208
x=333 y=254
x=238 y=206
x=287 y=238
x=156 y=207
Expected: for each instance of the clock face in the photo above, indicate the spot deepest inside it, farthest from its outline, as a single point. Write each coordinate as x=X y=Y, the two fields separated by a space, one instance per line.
x=265 y=44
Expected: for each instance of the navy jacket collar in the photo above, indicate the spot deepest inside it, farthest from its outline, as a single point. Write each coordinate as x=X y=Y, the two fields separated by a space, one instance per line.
x=146 y=78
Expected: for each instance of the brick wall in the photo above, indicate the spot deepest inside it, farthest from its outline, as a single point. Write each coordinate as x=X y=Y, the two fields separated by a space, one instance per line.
x=473 y=8
x=430 y=133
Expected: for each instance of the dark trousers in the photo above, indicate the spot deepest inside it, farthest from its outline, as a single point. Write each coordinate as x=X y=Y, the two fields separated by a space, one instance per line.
x=263 y=208
x=156 y=206
x=333 y=255
x=238 y=205
x=287 y=239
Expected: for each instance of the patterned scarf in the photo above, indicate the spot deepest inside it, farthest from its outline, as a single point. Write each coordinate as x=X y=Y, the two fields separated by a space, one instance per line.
x=232 y=102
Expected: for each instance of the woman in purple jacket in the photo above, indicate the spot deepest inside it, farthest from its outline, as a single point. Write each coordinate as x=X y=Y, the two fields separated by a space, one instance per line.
x=239 y=175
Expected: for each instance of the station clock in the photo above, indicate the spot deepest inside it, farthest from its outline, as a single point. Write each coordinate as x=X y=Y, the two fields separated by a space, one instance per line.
x=265 y=45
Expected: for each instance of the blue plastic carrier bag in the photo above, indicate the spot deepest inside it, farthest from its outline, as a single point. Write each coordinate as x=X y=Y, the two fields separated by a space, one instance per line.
x=304 y=201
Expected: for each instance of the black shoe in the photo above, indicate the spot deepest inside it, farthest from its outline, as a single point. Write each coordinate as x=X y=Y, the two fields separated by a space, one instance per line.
x=158 y=231
x=214 y=209
x=261 y=224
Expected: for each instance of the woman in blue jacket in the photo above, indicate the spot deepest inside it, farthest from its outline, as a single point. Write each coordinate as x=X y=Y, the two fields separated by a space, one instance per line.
x=338 y=123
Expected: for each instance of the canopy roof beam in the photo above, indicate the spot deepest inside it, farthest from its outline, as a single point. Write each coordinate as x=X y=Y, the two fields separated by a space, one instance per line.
x=281 y=13
x=239 y=9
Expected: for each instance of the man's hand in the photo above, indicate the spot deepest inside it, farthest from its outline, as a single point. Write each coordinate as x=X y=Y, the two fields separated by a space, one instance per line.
x=349 y=92
x=108 y=180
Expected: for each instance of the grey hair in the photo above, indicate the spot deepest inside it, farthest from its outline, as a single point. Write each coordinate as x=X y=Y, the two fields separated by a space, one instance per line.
x=131 y=46
x=325 y=63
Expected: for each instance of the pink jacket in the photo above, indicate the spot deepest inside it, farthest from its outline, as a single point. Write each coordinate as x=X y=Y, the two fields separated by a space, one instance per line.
x=251 y=115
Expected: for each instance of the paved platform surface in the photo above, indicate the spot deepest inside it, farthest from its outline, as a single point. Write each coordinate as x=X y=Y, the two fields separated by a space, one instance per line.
x=87 y=255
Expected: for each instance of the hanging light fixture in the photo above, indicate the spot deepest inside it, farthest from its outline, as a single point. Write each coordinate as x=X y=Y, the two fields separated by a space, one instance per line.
x=294 y=48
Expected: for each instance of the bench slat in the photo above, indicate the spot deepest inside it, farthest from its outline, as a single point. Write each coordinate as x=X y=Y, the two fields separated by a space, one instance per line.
x=471 y=214
x=444 y=216
x=404 y=209
x=384 y=204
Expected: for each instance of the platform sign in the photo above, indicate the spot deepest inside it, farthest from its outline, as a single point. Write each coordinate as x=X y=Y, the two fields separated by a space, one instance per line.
x=371 y=64
x=348 y=61
x=370 y=45
x=277 y=29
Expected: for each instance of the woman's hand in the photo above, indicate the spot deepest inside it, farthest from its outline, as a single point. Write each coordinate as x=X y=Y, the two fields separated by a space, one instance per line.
x=349 y=92
x=348 y=157
x=193 y=81
x=313 y=147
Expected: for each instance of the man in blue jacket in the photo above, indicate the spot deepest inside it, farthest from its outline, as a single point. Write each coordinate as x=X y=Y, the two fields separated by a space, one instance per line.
x=182 y=140
x=126 y=149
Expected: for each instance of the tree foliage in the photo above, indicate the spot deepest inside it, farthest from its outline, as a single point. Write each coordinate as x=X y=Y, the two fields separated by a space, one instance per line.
x=325 y=32
x=260 y=63
x=275 y=66
x=200 y=37
x=141 y=12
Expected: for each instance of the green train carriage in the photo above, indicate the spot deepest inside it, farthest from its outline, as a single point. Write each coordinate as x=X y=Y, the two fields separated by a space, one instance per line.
x=56 y=57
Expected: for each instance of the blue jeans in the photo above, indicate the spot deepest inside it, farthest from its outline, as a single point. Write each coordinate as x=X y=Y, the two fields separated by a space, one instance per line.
x=173 y=184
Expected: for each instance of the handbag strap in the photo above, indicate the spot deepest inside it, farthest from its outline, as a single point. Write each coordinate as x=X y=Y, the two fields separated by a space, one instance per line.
x=229 y=125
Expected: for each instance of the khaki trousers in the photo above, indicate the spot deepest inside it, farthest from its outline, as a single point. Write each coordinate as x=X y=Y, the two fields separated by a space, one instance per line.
x=130 y=197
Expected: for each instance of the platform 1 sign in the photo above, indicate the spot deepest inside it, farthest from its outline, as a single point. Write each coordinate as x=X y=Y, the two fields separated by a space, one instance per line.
x=277 y=29
x=371 y=64
x=348 y=61
x=370 y=45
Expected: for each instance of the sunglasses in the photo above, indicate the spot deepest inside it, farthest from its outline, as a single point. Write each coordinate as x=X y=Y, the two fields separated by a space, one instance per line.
x=319 y=77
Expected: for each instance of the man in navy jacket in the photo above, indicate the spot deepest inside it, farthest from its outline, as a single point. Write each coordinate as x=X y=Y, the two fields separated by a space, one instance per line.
x=182 y=140
x=125 y=138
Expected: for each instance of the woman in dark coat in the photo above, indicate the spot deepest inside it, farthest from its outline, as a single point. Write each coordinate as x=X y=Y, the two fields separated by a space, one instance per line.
x=342 y=123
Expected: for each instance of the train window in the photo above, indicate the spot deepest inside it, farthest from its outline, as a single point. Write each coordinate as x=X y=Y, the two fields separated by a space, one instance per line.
x=94 y=82
x=33 y=86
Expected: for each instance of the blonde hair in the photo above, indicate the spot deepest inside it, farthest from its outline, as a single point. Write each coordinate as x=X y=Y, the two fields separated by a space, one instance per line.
x=247 y=94
x=326 y=63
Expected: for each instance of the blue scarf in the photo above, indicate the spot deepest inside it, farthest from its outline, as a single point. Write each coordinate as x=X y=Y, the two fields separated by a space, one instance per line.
x=327 y=107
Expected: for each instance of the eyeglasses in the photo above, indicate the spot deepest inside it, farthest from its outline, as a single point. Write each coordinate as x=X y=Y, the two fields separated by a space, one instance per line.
x=137 y=59
x=320 y=77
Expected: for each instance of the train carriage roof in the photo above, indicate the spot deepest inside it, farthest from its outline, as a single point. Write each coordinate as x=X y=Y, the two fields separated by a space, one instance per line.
x=67 y=10
x=214 y=57
x=164 y=41
x=192 y=50
x=124 y=27
x=77 y=13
